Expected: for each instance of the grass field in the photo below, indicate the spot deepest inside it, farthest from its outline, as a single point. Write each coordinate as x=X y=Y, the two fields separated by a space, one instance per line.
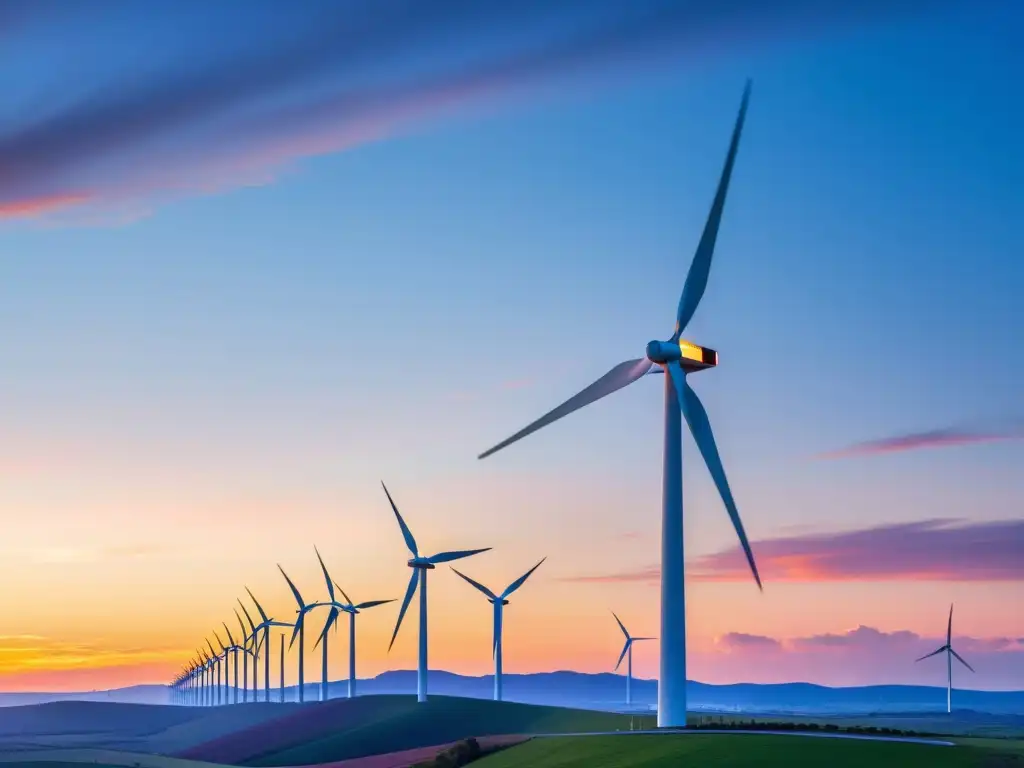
x=726 y=751
x=400 y=723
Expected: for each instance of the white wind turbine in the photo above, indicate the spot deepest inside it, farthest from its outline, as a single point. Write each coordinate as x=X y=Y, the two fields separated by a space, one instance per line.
x=950 y=654
x=627 y=650
x=353 y=610
x=677 y=358
x=421 y=564
x=499 y=602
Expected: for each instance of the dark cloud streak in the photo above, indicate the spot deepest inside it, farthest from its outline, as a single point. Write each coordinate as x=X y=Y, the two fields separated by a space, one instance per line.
x=38 y=159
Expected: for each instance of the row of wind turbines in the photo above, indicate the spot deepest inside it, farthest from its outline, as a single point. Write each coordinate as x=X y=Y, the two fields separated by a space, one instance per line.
x=204 y=680
x=677 y=359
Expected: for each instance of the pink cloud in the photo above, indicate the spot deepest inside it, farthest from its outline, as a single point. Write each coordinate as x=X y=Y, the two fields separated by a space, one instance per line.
x=929 y=550
x=861 y=656
x=939 y=438
x=742 y=641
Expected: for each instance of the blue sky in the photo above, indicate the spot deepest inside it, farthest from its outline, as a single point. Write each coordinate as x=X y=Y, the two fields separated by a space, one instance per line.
x=226 y=331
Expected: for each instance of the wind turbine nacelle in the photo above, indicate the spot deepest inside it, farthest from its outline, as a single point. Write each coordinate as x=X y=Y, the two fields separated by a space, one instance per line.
x=691 y=356
x=420 y=562
x=492 y=602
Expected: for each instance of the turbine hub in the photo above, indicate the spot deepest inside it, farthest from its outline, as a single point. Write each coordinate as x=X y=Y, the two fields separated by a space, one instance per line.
x=420 y=562
x=692 y=356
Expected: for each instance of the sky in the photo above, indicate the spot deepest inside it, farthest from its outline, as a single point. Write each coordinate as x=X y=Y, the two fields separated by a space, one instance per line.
x=252 y=263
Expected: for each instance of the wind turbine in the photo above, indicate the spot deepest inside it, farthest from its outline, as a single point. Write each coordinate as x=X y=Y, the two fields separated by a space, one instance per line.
x=245 y=656
x=265 y=625
x=331 y=617
x=255 y=638
x=234 y=648
x=950 y=654
x=299 y=629
x=224 y=656
x=499 y=602
x=418 y=564
x=214 y=681
x=627 y=650
x=678 y=358
x=352 y=609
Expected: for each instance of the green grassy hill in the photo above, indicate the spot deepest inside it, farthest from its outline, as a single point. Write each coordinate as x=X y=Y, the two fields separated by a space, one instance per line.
x=401 y=723
x=741 y=750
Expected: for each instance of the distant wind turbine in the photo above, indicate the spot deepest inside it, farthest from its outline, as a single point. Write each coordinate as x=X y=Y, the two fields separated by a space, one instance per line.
x=265 y=624
x=234 y=648
x=418 y=564
x=245 y=656
x=214 y=681
x=255 y=638
x=299 y=629
x=677 y=358
x=352 y=609
x=223 y=655
x=331 y=617
x=627 y=650
x=499 y=602
x=950 y=654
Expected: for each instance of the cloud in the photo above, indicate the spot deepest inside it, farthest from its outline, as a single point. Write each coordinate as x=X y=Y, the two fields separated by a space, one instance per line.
x=939 y=438
x=21 y=654
x=341 y=75
x=929 y=550
x=649 y=575
x=742 y=641
x=860 y=656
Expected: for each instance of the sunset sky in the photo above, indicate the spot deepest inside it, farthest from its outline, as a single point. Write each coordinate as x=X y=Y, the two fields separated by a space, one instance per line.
x=253 y=263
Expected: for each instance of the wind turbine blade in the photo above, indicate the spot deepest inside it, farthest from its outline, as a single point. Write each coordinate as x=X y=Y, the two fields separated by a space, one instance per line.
x=410 y=542
x=347 y=598
x=297 y=628
x=327 y=576
x=623 y=654
x=960 y=659
x=519 y=582
x=213 y=653
x=621 y=625
x=618 y=377
x=933 y=653
x=700 y=267
x=413 y=581
x=638 y=639
x=221 y=642
x=949 y=627
x=247 y=616
x=476 y=584
x=331 y=617
x=697 y=420
x=231 y=639
x=295 y=590
x=372 y=603
x=447 y=557
x=263 y=614
x=240 y=624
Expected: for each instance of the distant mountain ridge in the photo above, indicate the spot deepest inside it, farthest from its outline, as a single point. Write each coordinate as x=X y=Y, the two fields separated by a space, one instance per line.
x=607 y=691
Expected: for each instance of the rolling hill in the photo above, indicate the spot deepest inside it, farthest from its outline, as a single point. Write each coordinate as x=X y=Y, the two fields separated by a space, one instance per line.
x=343 y=729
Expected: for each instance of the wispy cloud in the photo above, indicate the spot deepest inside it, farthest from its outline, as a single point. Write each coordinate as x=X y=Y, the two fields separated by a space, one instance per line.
x=929 y=550
x=939 y=438
x=34 y=653
x=741 y=640
x=339 y=75
x=863 y=639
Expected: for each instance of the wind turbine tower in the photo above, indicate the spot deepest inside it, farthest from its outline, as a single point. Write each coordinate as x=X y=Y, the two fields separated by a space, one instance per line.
x=499 y=602
x=420 y=566
x=677 y=358
x=950 y=655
